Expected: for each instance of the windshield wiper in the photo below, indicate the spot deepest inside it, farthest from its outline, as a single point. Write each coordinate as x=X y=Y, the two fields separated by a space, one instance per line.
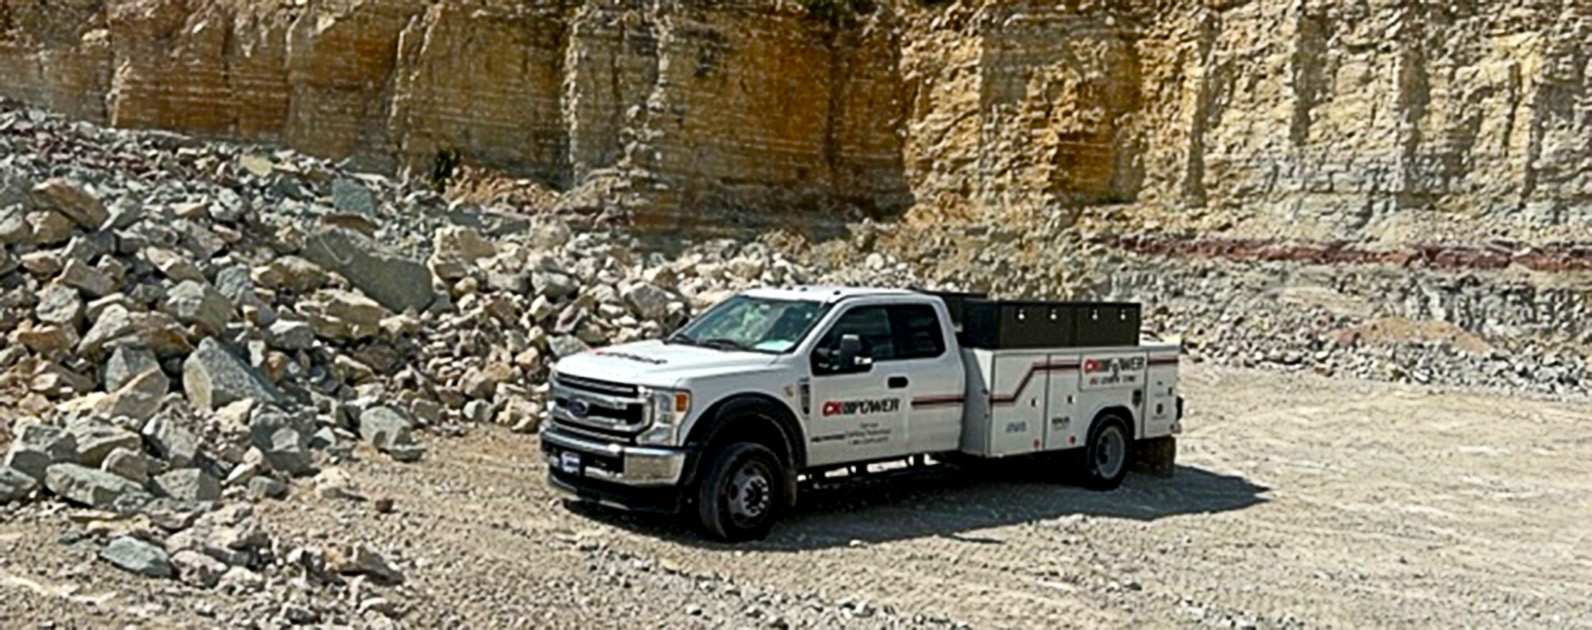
x=723 y=343
x=680 y=339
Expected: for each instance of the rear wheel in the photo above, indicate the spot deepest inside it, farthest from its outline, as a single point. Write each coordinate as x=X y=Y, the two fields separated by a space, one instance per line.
x=1105 y=456
x=741 y=492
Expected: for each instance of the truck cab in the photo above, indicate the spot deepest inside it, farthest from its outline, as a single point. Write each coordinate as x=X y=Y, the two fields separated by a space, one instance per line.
x=722 y=418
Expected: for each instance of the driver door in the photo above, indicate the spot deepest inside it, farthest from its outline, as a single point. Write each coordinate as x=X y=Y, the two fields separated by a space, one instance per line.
x=856 y=414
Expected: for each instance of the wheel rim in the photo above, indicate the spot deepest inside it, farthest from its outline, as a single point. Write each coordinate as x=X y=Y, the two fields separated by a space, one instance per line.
x=1110 y=451
x=749 y=493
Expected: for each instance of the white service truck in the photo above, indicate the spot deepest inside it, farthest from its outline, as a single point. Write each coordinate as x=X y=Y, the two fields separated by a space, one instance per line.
x=726 y=418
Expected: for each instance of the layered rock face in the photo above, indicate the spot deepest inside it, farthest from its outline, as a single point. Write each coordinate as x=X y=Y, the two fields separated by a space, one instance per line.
x=1322 y=117
x=687 y=105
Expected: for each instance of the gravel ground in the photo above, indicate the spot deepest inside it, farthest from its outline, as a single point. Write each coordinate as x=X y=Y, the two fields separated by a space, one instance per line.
x=1300 y=501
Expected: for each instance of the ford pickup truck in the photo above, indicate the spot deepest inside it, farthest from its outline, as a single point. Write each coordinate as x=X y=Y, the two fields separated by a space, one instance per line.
x=726 y=419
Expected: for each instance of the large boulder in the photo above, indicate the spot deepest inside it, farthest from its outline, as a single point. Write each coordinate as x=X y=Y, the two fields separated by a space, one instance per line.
x=455 y=250
x=291 y=273
x=126 y=362
x=235 y=283
x=39 y=446
x=138 y=398
x=14 y=226
x=50 y=227
x=158 y=332
x=285 y=334
x=137 y=556
x=482 y=382
x=385 y=427
x=353 y=197
x=648 y=301
x=61 y=305
x=72 y=201
x=188 y=484
x=128 y=464
x=197 y=569
x=213 y=377
x=48 y=340
x=174 y=443
x=281 y=442
x=114 y=322
x=94 y=488
x=92 y=282
x=197 y=303
x=344 y=315
x=173 y=265
x=389 y=432
x=96 y=439
x=15 y=485
x=52 y=379
x=396 y=282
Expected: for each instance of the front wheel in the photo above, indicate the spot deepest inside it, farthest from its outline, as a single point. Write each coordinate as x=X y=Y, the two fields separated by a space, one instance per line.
x=1105 y=456
x=741 y=492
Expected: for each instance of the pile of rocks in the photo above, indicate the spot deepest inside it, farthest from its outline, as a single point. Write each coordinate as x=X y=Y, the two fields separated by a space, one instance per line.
x=192 y=320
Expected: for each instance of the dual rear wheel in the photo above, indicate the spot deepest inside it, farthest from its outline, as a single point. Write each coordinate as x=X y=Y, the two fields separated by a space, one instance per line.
x=1105 y=454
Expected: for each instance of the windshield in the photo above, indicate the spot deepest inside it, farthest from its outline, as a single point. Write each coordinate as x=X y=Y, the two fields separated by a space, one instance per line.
x=754 y=324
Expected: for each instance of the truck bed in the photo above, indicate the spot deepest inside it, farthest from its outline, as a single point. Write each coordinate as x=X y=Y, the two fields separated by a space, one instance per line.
x=1029 y=400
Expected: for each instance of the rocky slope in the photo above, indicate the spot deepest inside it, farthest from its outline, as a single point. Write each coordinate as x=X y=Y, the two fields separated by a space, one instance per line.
x=188 y=324
x=1313 y=119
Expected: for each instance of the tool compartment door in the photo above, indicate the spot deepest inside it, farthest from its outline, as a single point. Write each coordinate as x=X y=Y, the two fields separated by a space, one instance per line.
x=1017 y=404
x=1160 y=406
x=1111 y=379
x=1062 y=425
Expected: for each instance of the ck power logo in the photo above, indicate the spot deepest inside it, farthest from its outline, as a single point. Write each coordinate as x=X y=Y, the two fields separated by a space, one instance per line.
x=861 y=407
x=1113 y=372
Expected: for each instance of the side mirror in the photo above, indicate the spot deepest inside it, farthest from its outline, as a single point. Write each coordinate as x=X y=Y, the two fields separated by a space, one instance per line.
x=851 y=357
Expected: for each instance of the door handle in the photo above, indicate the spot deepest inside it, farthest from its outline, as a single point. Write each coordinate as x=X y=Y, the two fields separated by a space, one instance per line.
x=897 y=382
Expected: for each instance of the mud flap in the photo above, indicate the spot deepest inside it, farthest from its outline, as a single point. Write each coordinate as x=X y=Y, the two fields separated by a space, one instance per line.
x=1156 y=457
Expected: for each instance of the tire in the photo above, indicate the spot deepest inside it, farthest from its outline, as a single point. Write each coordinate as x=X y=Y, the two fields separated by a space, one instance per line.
x=1105 y=455
x=1154 y=456
x=741 y=493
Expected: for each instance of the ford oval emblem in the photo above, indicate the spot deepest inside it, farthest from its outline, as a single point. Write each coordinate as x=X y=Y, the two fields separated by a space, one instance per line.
x=579 y=408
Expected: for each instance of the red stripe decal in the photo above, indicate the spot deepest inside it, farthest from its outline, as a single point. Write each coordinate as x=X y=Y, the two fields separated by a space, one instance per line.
x=947 y=400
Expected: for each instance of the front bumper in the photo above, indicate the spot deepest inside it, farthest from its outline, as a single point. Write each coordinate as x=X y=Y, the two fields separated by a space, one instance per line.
x=662 y=500
x=616 y=475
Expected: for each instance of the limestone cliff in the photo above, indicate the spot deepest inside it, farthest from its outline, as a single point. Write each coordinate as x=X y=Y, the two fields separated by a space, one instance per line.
x=1318 y=117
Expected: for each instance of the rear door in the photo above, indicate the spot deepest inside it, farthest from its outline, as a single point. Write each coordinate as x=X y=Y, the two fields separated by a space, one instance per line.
x=925 y=355
x=858 y=414
x=1063 y=428
x=1017 y=403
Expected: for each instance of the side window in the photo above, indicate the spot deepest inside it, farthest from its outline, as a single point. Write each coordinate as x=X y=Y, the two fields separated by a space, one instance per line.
x=872 y=324
x=917 y=332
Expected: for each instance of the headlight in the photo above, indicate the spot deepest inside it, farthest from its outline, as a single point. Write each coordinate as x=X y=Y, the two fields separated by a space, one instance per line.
x=666 y=410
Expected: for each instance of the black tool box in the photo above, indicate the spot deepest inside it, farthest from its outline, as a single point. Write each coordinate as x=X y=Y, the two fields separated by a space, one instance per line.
x=996 y=324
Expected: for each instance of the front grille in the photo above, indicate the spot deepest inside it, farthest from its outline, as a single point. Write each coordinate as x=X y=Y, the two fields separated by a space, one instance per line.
x=631 y=414
x=594 y=432
x=593 y=385
x=615 y=409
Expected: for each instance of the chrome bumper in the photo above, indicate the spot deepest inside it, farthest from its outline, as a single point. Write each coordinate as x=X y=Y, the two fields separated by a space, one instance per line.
x=643 y=466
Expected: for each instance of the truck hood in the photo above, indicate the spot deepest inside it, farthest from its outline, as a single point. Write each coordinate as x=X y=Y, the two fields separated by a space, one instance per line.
x=657 y=364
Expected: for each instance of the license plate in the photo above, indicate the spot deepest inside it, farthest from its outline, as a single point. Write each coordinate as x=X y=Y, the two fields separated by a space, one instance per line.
x=569 y=462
